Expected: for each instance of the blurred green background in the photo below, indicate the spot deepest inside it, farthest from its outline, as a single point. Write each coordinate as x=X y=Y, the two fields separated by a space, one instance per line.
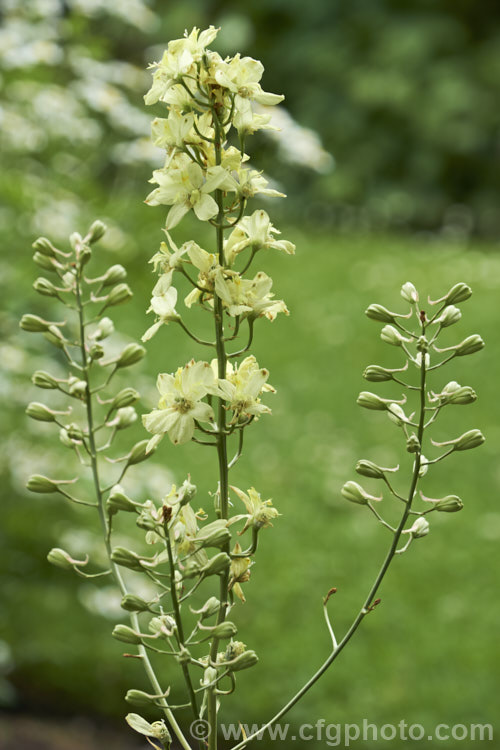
x=389 y=155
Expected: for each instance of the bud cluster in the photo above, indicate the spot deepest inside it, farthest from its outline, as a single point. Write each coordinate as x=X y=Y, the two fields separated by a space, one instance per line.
x=422 y=356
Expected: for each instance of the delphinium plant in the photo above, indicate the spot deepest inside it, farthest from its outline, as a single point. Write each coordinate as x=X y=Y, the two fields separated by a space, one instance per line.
x=181 y=581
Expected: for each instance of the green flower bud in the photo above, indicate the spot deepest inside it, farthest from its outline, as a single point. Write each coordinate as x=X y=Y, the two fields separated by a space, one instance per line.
x=449 y=316
x=40 y=412
x=449 y=504
x=114 y=275
x=458 y=293
x=413 y=444
x=120 y=293
x=78 y=388
x=130 y=355
x=163 y=625
x=45 y=287
x=419 y=529
x=45 y=262
x=210 y=608
x=41 y=484
x=380 y=313
x=61 y=559
x=75 y=240
x=209 y=676
x=353 y=492
x=118 y=500
x=96 y=352
x=138 y=453
x=65 y=438
x=126 y=635
x=96 y=231
x=44 y=246
x=377 y=374
x=470 y=439
x=74 y=432
x=34 y=324
x=222 y=631
x=470 y=345
x=234 y=649
x=186 y=492
x=216 y=565
x=372 y=401
x=140 y=698
x=369 y=469
x=462 y=395
x=104 y=329
x=124 y=418
x=160 y=732
x=244 y=661
x=214 y=534
x=391 y=335
x=396 y=414
x=126 y=558
x=44 y=380
x=132 y=603
x=84 y=255
x=409 y=293
x=124 y=398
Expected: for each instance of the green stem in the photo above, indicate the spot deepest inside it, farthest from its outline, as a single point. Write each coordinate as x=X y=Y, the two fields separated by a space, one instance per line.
x=378 y=580
x=221 y=437
x=148 y=667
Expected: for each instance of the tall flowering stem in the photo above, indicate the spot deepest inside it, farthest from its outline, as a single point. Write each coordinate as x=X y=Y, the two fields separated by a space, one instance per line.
x=209 y=100
x=412 y=523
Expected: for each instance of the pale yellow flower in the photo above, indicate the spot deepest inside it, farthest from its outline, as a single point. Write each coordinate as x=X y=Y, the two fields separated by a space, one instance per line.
x=249 y=297
x=255 y=232
x=242 y=387
x=259 y=512
x=180 y=404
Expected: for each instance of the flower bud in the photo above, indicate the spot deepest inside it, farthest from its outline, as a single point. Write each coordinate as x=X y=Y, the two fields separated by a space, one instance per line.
x=45 y=262
x=43 y=380
x=371 y=401
x=124 y=418
x=380 y=313
x=243 y=661
x=34 y=324
x=449 y=504
x=130 y=355
x=211 y=607
x=209 y=676
x=133 y=603
x=409 y=293
x=377 y=374
x=470 y=345
x=96 y=231
x=65 y=438
x=118 y=500
x=120 y=293
x=419 y=528
x=41 y=484
x=140 y=698
x=391 y=335
x=139 y=453
x=45 y=287
x=164 y=624
x=222 y=631
x=462 y=395
x=126 y=635
x=75 y=240
x=40 y=412
x=369 y=469
x=186 y=491
x=214 y=534
x=449 y=316
x=104 y=329
x=470 y=439
x=234 y=649
x=353 y=492
x=458 y=293
x=96 y=352
x=84 y=255
x=61 y=559
x=78 y=388
x=74 y=432
x=216 y=565
x=126 y=558
x=114 y=275
x=396 y=414
x=125 y=397
x=44 y=246
x=413 y=444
